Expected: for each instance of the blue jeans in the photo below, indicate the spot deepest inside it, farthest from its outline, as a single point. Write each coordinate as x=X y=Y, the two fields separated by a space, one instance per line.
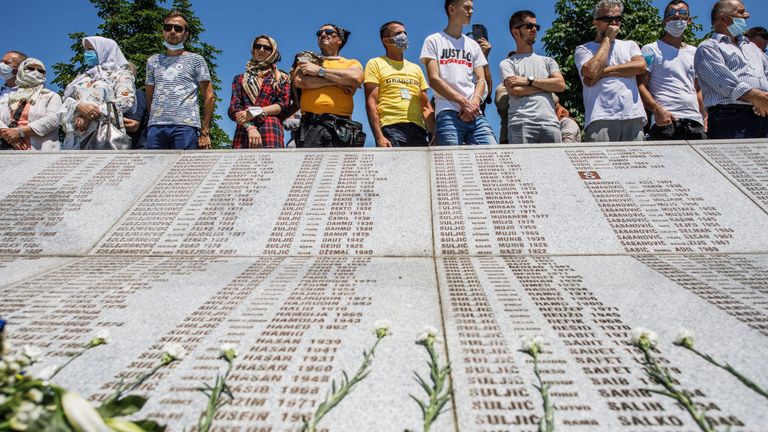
x=451 y=130
x=171 y=137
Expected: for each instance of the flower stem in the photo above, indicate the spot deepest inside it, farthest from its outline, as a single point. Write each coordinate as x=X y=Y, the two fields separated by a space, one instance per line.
x=547 y=423
x=439 y=394
x=662 y=376
x=728 y=368
x=70 y=360
x=122 y=389
x=336 y=396
x=214 y=401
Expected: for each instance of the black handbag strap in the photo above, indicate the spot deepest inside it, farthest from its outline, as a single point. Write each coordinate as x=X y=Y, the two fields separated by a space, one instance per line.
x=17 y=114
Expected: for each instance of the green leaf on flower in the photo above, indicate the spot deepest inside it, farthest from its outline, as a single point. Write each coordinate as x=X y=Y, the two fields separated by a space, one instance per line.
x=122 y=406
x=150 y=426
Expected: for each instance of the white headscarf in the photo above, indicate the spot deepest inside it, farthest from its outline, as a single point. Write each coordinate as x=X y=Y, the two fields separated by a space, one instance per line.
x=110 y=56
x=29 y=87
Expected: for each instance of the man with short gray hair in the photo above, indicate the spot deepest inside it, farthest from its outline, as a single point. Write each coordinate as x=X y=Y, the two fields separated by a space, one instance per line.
x=608 y=68
x=733 y=77
x=8 y=69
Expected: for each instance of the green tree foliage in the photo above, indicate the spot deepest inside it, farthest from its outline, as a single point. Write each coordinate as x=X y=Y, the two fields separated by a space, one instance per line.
x=136 y=26
x=573 y=27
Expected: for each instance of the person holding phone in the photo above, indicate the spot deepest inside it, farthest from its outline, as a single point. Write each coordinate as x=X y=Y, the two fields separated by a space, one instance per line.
x=455 y=72
x=609 y=68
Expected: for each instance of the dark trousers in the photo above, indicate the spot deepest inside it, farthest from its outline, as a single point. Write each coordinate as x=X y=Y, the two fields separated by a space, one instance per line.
x=317 y=130
x=736 y=121
x=683 y=129
x=405 y=135
x=171 y=137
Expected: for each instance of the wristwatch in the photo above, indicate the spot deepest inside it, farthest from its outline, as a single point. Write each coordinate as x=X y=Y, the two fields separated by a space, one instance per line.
x=530 y=80
x=321 y=72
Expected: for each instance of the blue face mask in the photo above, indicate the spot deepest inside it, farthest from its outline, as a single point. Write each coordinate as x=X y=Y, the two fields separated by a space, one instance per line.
x=91 y=58
x=400 y=41
x=738 y=27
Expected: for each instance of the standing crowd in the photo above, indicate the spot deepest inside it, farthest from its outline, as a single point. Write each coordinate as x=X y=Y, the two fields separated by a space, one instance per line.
x=718 y=90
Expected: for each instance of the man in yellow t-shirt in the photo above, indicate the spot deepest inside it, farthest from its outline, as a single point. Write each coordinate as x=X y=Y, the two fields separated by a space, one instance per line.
x=327 y=90
x=396 y=98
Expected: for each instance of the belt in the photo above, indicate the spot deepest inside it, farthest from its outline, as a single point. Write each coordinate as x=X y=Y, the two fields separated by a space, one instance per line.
x=317 y=118
x=738 y=107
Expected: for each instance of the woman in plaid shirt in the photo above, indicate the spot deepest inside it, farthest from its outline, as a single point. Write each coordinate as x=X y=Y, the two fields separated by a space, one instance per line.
x=258 y=96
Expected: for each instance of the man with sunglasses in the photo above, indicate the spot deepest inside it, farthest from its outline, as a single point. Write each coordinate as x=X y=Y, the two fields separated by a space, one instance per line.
x=396 y=98
x=608 y=68
x=669 y=88
x=530 y=80
x=9 y=67
x=174 y=79
x=327 y=91
x=455 y=71
x=733 y=74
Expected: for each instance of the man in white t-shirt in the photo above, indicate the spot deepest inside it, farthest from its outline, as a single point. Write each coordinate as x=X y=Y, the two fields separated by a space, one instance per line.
x=608 y=68
x=454 y=66
x=669 y=88
x=531 y=81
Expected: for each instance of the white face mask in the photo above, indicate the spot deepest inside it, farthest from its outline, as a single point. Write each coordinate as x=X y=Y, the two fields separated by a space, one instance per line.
x=6 y=72
x=174 y=47
x=37 y=76
x=676 y=28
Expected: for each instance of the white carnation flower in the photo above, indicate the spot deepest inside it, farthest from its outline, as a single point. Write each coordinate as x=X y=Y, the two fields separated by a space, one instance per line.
x=174 y=350
x=33 y=353
x=382 y=328
x=685 y=337
x=642 y=335
x=228 y=351
x=531 y=344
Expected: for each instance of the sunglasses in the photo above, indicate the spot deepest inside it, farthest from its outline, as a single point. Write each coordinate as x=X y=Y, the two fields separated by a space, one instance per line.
x=529 y=26
x=328 y=32
x=610 y=18
x=682 y=12
x=261 y=47
x=176 y=27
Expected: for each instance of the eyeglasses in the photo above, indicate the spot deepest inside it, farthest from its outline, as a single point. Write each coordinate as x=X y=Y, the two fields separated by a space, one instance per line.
x=176 y=27
x=672 y=13
x=327 y=32
x=610 y=18
x=529 y=26
x=266 y=48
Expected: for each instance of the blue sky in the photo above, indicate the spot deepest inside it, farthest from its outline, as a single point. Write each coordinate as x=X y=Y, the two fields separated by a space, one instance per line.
x=232 y=24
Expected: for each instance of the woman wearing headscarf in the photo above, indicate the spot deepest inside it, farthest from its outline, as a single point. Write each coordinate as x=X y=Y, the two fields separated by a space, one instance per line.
x=87 y=97
x=28 y=117
x=258 y=97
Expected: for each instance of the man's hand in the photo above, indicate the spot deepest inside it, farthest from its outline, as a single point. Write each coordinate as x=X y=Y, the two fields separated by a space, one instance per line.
x=590 y=82
x=663 y=117
x=348 y=89
x=204 y=140
x=485 y=46
x=469 y=110
x=309 y=69
x=81 y=123
x=760 y=104
x=611 y=32
x=515 y=81
x=89 y=110
x=382 y=141
x=131 y=125
x=254 y=138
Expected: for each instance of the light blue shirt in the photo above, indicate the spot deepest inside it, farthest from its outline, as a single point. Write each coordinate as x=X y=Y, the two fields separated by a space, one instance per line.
x=727 y=71
x=5 y=90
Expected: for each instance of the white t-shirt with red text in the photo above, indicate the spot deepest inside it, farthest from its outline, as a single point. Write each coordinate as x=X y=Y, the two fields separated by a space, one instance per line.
x=456 y=59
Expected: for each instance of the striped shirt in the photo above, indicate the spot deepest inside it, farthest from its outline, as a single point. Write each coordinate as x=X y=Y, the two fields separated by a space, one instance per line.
x=176 y=80
x=727 y=71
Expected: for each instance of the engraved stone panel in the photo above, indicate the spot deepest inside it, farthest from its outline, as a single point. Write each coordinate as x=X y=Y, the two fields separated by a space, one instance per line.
x=270 y=203
x=744 y=164
x=584 y=307
x=15 y=269
x=588 y=200
x=63 y=204
x=297 y=321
